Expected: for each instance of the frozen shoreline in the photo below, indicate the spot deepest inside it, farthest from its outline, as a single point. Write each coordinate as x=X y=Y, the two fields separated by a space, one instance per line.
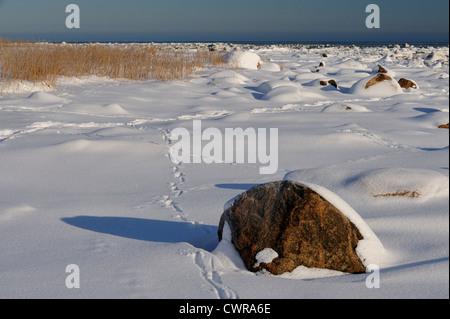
x=86 y=178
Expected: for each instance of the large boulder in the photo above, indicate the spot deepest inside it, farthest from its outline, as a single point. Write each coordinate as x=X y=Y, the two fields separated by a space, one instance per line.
x=406 y=83
x=294 y=226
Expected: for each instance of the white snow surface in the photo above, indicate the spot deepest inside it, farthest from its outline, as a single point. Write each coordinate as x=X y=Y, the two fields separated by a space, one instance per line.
x=86 y=178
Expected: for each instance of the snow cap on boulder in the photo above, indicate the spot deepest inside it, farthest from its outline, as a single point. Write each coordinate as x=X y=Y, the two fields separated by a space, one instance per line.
x=380 y=85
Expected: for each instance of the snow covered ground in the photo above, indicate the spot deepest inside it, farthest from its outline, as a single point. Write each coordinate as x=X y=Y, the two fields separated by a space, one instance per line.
x=86 y=178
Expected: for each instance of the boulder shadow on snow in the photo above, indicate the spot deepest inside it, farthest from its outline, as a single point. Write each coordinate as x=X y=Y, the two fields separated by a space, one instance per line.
x=426 y=110
x=162 y=231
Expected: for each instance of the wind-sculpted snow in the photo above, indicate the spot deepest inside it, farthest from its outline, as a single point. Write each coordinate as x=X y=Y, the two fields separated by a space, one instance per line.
x=86 y=176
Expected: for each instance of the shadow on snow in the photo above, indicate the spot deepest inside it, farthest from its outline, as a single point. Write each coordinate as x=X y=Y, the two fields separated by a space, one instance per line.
x=200 y=236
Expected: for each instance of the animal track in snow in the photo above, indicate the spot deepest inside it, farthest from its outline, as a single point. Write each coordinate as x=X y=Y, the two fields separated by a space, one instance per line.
x=100 y=246
x=357 y=130
x=212 y=276
x=175 y=187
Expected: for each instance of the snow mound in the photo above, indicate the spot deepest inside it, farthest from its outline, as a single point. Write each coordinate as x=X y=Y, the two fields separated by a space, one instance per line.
x=307 y=76
x=95 y=109
x=432 y=119
x=442 y=75
x=268 y=86
x=114 y=109
x=283 y=94
x=314 y=83
x=351 y=64
x=46 y=98
x=243 y=59
x=344 y=107
x=421 y=184
x=435 y=57
x=270 y=67
x=280 y=91
x=228 y=77
x=384 y=88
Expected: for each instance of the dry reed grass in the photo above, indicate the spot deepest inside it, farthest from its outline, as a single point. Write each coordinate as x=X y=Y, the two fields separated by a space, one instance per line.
x=410 y=194
x=46 y=62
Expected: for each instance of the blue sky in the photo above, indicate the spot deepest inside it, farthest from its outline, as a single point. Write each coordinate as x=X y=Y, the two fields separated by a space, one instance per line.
x=225 y=20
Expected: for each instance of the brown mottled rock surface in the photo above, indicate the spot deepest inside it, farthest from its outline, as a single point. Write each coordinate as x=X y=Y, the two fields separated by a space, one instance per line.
x=444 y=126
x=333 y=83
x=406 y=84
x=380 y=77
x=297 y=223
x=382 y=69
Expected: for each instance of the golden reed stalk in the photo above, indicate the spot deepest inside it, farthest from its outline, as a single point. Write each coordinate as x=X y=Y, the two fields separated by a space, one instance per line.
x=46 y=62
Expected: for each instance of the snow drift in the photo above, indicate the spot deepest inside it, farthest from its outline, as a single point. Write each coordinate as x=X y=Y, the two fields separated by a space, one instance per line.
x=243 y=59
